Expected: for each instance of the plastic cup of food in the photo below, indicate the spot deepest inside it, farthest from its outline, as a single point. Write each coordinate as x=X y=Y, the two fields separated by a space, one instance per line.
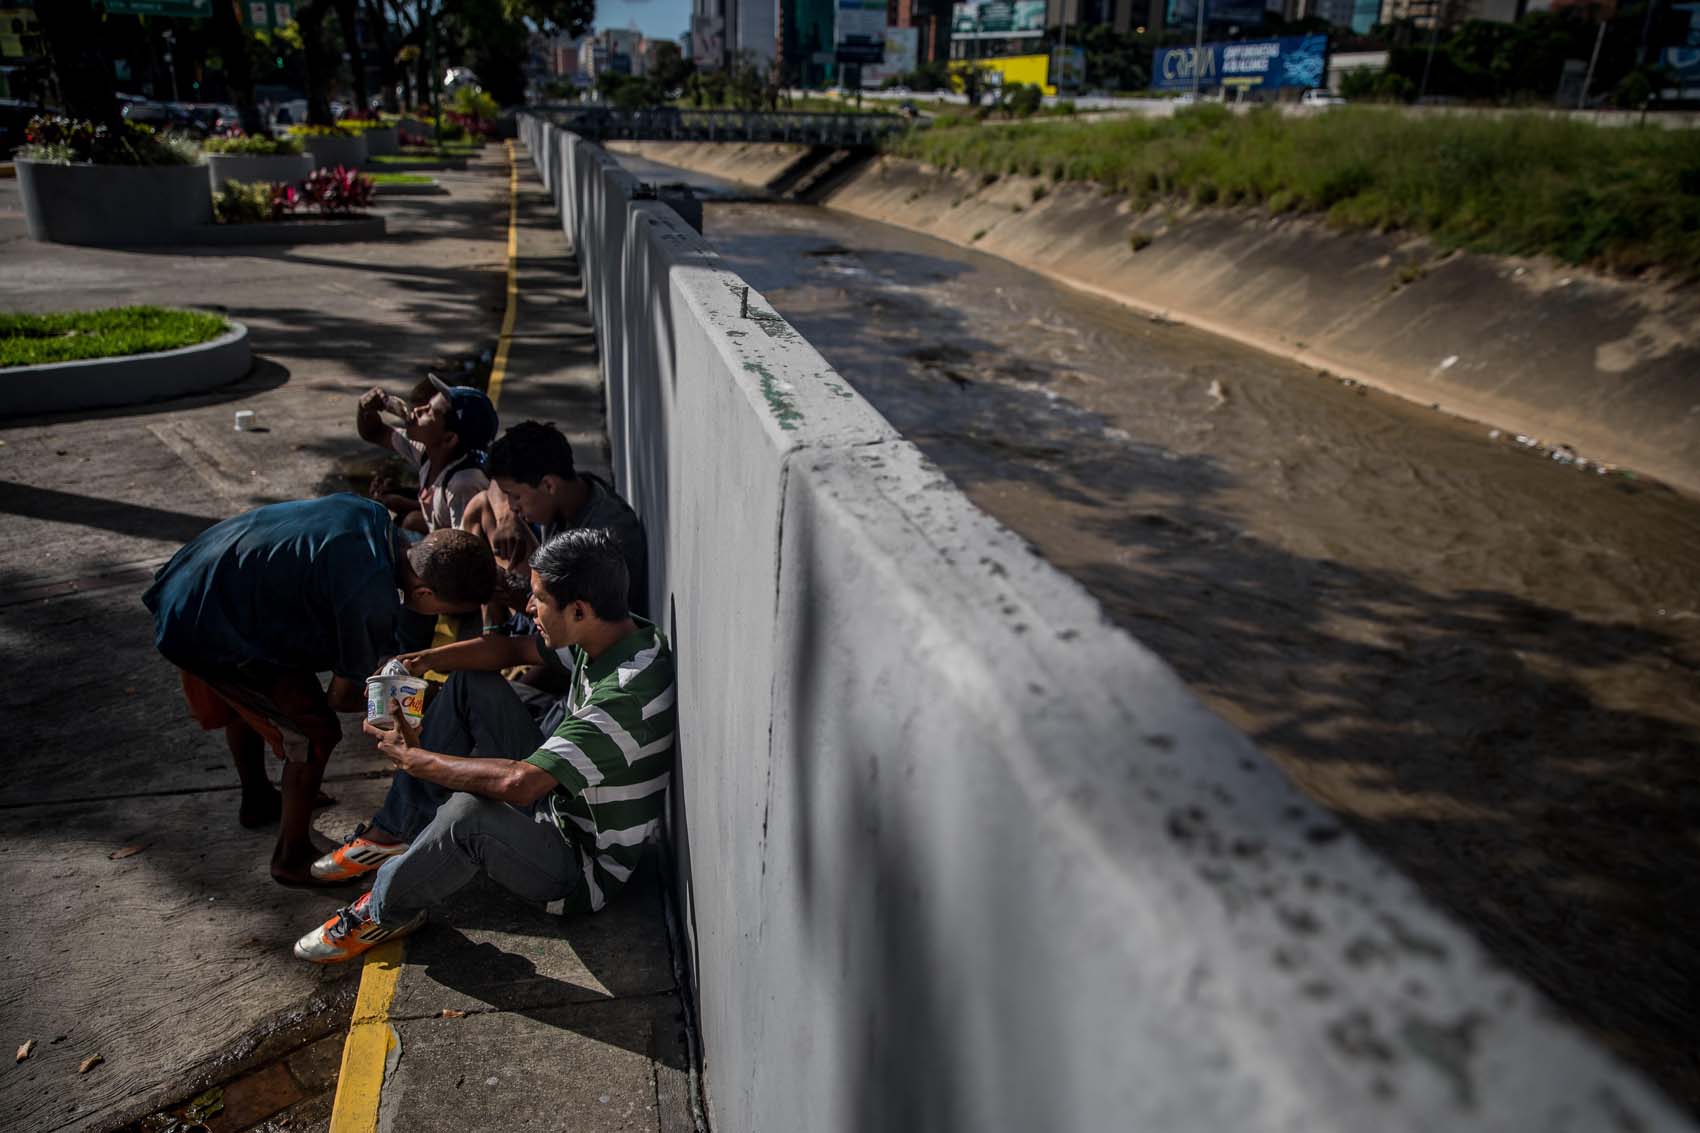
x=409 y=691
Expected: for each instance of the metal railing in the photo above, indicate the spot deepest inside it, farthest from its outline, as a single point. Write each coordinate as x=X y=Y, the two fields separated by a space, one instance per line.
x=671 y=124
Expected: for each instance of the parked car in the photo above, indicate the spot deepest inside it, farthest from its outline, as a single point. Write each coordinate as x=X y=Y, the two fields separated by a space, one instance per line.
x=15 y=115
x=147 y=112
x=1318 y=96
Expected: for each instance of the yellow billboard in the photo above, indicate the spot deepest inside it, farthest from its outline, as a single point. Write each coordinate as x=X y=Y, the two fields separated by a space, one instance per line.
x=1034 y=70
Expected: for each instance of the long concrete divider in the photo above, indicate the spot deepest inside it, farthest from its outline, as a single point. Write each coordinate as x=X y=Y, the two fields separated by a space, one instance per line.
x=955 y=852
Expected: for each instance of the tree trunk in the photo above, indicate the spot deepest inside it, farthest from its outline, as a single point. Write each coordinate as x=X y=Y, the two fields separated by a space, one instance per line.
x=75 y=42
x=385 y=47
x=311 y=18
x=232 y=40
x=346 y=20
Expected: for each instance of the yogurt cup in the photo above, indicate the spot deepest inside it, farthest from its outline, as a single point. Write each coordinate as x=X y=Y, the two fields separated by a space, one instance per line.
x=410 y=691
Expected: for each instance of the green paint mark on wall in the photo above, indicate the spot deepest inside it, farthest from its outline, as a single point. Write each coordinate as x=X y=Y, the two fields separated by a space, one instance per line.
x=784 y=409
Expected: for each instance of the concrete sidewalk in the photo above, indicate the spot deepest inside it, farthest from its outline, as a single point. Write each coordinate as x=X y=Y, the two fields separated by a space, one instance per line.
x=172 y=963
x=504 y=1016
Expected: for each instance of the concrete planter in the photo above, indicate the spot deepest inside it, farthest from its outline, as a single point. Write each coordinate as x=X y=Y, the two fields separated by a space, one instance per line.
x=340 y=230
x=289 y=168
x=383 y=140
x=98 y=382
x=328 y=152
x=113 y=204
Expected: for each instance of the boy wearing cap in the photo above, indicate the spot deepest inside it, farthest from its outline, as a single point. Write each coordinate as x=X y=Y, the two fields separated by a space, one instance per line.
x=444 y=440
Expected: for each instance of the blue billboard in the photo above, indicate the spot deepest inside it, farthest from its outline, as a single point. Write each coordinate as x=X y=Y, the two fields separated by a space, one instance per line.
x=1256 y=64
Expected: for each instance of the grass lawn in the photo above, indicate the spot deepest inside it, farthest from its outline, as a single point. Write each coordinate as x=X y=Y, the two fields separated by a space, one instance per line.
x=32 y=340
x=415 y=158
x=1623 y=198
x=402 y=179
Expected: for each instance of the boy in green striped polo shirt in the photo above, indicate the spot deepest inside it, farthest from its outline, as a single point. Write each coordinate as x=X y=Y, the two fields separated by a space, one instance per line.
x=567 y=822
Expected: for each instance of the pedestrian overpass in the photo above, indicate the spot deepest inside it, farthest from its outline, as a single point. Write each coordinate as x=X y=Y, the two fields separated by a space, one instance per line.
x=671 y=124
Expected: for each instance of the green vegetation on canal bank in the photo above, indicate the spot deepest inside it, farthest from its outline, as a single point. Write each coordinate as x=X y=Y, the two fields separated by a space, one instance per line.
x=1625 y=198
x=35 y=340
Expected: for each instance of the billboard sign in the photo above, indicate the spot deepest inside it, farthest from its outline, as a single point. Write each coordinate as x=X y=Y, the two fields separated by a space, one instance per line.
x=1254 y=64
x=1240 y=13
x=1068 y=68
x=708 y=41
x=997 y=19
x=861 y=31
x=176 y=9
x=902 y=54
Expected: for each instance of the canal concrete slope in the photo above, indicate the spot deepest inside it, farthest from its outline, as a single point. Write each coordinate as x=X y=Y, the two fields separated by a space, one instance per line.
x=955 y=853
x=1607 y=366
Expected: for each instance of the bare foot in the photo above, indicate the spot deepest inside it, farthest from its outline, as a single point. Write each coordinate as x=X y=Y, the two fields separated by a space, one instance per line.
x=295 y=870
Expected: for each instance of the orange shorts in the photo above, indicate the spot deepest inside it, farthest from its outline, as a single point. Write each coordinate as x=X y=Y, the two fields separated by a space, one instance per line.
x=287 y=709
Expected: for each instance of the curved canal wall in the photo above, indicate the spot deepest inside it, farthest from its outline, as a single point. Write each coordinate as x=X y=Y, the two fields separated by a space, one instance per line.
x=1609 y=367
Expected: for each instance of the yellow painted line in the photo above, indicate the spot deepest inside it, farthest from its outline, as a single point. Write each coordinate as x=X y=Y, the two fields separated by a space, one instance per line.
x=499 y=368
x=370 y=1039
x=366 y=1051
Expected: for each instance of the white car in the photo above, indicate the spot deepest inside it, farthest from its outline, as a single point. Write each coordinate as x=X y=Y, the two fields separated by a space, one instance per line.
x=1318 y=96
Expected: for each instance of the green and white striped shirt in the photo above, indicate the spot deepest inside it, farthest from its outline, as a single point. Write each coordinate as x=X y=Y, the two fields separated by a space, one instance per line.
x=613 y=757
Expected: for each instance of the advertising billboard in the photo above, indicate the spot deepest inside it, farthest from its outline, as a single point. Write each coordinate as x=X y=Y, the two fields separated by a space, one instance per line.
x=1253 y=64
x=997 y=19
x=861 y=31
x=902 y=55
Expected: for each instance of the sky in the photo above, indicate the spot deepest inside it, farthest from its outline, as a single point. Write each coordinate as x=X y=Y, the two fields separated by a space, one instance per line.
x=661 y=19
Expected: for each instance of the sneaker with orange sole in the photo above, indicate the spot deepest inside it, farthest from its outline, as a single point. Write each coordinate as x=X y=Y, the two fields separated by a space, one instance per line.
x=349 y=933
x=358 y=854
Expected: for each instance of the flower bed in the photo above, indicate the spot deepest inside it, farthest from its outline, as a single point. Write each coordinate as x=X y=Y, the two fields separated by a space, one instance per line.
x=322 y=208
x=86 y=184
x=333 y=145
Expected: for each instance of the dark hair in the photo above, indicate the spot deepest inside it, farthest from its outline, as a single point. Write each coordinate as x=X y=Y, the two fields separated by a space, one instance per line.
x=528 y=452
x=456 y=564
x=586 y=564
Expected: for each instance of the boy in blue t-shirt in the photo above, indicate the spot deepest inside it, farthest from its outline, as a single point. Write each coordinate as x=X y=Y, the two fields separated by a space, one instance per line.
x=254 y=607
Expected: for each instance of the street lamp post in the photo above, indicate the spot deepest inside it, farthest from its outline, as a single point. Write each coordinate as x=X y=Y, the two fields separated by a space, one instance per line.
x=1588 y=79
x=1198 y=49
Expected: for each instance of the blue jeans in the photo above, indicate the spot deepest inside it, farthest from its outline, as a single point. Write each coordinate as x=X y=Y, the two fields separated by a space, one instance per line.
x=455 y=836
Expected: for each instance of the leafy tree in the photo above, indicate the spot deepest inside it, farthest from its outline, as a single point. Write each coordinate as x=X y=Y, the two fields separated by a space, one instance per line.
x=72 y=31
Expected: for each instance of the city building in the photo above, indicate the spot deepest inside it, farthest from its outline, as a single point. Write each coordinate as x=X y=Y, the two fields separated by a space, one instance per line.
x=931 y=21
x=735 y=32
x=806 y=47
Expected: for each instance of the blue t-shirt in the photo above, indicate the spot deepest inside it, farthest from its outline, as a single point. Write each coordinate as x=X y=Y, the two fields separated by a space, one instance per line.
x=308 y=585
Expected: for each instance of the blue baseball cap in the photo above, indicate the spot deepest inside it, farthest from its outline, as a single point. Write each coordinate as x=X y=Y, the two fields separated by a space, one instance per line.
x=473 y=417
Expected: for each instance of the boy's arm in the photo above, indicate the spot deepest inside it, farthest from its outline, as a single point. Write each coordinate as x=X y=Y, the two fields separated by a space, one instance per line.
x=371 y=426
x=488 y=654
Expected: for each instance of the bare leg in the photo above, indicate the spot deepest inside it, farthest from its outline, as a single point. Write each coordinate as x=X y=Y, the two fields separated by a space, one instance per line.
x=293 y=858
x=260 y=803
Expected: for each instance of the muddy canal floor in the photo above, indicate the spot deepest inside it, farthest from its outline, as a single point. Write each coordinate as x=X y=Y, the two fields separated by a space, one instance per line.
x=1487 y=662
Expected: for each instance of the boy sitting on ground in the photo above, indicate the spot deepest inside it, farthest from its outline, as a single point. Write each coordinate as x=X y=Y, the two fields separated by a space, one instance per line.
x=254 y=607
x=558 y=812
x=444 y=440
x=533 y=466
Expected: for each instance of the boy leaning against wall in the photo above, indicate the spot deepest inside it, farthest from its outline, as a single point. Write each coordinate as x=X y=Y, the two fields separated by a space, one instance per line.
x=253 y=608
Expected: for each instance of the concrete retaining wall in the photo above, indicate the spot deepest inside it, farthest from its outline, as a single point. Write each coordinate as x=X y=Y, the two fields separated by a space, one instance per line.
x=956 y=853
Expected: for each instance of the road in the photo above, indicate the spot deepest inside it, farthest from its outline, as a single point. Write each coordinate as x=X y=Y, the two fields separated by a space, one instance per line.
x=1487 y=662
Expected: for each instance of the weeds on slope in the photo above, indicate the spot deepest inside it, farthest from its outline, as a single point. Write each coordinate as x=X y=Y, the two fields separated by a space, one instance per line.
x=1626 y=198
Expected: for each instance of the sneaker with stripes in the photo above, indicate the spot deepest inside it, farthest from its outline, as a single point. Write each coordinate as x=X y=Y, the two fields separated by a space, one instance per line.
x=358 y=854
x=349 y=933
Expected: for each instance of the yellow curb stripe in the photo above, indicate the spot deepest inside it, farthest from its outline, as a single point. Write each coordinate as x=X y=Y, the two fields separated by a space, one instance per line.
x=370 y=1039
x=366 y=1051
x=499 y=368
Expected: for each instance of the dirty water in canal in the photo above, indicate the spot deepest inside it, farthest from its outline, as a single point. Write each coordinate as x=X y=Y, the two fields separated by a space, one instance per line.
x=1486 y=661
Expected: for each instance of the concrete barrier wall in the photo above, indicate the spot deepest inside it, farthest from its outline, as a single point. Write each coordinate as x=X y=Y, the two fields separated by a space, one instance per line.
x=958 y=854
